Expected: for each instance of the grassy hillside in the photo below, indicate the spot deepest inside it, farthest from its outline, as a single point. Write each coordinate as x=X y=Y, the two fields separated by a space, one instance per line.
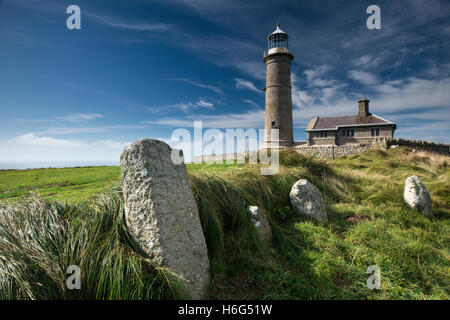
x=369 y=225
x=65 y=184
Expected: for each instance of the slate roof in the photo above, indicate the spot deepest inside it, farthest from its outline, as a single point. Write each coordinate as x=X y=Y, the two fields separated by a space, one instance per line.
x=333 y=123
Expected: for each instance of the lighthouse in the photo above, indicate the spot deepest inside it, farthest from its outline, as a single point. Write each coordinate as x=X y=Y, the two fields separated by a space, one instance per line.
x=278 y=113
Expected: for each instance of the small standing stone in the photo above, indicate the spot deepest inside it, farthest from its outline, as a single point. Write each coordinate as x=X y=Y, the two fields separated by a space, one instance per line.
x=417 y=196
x=161 y=212
x=261 y=224
x=306 y=199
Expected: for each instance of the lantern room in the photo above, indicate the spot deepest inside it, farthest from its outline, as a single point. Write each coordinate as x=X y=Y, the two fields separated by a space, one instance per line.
x=277 y=41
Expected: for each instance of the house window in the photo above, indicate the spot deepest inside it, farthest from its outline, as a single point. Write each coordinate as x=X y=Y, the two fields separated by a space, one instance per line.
x=375 y=132
x=322 y=134
x=348 y=132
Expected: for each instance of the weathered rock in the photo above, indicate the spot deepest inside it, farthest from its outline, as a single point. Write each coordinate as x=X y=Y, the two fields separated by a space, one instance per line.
x=358 y=218
x=417 y=196
x=306 y=199
x=161 y=212
x=261 y=224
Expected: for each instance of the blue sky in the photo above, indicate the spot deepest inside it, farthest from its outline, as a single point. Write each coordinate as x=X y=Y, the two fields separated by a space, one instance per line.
x=142 y=68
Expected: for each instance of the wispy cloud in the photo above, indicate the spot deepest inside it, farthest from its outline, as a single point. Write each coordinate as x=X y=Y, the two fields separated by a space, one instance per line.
x=363 y=77
x=368 y=61
x=201 y=85
x=253 y=103
x=244 y=84
x=252 y=119
x=202 y=103
x=79 y=117
x=73 y=117
x=183 y=106
x=125 y=25
x=86 y=130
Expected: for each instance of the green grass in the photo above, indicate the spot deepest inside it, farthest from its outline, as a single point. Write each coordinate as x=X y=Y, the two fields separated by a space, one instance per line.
x=65 y=184
x=305 y=261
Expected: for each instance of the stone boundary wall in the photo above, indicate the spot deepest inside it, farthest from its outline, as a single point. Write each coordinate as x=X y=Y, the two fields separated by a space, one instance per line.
x=440 y=148
x=332 y=151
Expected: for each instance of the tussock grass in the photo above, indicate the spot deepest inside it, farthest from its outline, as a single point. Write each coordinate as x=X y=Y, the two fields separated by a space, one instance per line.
x=306 y=260
x=39 y=241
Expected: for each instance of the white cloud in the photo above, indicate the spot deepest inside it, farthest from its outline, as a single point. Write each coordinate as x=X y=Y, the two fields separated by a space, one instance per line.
x=253 y=103
x=74 y=117
x=31 y=140
x=312 y=74
x=134 y=26
x=363 y=77
x=84 y=130
x=31 y=150
x=202 y=103
x=315 y=77
x=363 y=60
x=244 y=84
x=412 y=93
x=201 y=85
x=252 y=119
x=368 y=61
x=184 y=106
x=78 y=117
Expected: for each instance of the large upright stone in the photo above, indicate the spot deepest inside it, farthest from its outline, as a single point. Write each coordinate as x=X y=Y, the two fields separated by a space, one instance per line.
x=161 y=212
x=306 y=199
x=417 y=196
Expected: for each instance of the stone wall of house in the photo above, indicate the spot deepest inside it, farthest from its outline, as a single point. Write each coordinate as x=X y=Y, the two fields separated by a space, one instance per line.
x=363 y=135
x=330 y=139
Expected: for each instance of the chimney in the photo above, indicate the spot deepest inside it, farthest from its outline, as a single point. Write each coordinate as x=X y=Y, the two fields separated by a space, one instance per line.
x=363 y=107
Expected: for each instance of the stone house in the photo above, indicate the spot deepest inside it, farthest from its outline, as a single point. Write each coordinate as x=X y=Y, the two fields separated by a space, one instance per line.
x=363 y=128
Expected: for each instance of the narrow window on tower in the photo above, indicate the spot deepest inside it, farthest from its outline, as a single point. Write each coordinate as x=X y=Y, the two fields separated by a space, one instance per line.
x=273 y=124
